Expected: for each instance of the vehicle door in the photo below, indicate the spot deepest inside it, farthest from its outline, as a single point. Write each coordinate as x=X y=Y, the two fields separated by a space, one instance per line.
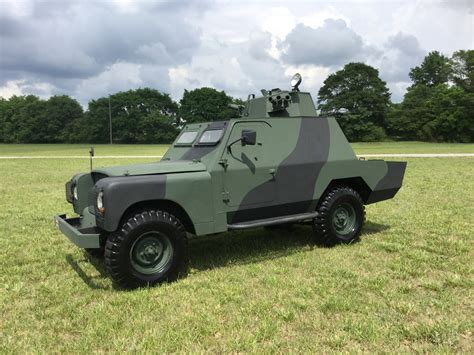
x=249 y=169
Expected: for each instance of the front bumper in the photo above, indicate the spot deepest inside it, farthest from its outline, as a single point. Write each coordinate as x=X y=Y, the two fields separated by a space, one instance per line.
x=78 y=232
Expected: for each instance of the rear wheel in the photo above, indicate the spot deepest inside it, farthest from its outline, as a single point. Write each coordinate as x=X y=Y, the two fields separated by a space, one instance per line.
x=341 y=215
x=150 y=248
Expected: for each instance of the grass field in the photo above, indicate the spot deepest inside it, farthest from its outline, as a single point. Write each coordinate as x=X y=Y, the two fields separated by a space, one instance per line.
x=136 y=149
x=407 y=286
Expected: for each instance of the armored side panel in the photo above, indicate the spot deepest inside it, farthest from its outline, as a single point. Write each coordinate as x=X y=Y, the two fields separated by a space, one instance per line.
x=291 y=166
x=285 y=173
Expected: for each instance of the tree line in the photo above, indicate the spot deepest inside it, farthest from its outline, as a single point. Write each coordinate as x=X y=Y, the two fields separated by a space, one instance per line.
x=138 y=116
x=438 y=106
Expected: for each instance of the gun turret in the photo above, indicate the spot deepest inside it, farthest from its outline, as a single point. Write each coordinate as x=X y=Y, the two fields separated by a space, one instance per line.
x=281 y=103
x=278 y=100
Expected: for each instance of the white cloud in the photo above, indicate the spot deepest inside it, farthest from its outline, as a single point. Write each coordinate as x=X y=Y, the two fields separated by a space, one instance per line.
x=117 y=77
x=401 y=52
x=11 y=87
x=24 y=87
x=317 y=18
x=17 y=9
x=331 y=45
x=279 y=21
x=313 y=76
x=91 y=49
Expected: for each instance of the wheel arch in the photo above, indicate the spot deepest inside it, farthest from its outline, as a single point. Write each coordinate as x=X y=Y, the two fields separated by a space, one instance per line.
x=356 y=183
x=163 y=205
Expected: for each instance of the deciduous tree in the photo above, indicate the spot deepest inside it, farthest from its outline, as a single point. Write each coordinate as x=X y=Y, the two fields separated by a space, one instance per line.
x=205 y=104
x=462 y=74
x=359 y=100
x=128 y=110
x=434 y=70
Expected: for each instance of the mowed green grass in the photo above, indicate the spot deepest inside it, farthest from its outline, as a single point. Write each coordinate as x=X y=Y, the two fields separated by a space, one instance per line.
x=160 y=149
x=407 y=286
x=83 y=149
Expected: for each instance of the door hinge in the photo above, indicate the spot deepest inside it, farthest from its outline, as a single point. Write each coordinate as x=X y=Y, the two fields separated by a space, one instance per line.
x=224 y=163
x=225 y=196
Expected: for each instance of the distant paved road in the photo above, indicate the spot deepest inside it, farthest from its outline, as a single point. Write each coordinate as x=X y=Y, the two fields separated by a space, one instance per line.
x=78 y=156
x=417 y=155
x=400 y=155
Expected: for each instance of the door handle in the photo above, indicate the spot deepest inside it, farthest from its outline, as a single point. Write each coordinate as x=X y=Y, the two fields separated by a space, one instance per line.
x=272 y=173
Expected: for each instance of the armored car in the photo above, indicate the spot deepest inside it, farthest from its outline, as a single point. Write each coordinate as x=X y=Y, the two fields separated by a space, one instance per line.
x=277 y=163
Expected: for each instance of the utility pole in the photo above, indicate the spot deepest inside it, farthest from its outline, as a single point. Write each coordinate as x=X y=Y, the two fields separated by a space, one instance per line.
x=110 y=121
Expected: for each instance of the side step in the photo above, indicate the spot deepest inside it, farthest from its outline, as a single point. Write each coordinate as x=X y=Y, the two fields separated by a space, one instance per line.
x=273 y=221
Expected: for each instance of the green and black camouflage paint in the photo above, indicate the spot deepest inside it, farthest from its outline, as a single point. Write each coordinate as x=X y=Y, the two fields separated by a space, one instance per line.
x=295 y=177
x=298 y=155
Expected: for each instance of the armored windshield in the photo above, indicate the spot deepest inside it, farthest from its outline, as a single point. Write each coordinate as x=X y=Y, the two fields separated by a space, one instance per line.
x=187 y=138
x=210 y=137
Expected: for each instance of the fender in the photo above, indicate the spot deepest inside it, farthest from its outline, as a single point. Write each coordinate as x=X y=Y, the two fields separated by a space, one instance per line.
x=184 y=189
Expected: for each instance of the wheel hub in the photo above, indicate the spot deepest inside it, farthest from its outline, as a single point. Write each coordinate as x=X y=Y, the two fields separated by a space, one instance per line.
x=151 y=253
x=344 y=218
x=341 y=218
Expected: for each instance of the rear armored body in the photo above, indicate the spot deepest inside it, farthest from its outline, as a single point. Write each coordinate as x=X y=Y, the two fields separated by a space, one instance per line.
x=278 y=163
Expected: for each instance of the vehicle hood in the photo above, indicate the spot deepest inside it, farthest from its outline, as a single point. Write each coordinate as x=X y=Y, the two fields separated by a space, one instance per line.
x=163 y=167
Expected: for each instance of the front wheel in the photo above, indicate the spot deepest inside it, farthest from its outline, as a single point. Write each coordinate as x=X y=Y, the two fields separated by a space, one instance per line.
x=150 y=248
x=341 y=215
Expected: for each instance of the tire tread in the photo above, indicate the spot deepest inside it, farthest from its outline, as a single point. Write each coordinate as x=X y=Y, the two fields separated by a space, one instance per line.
x=115 y=241
x=321 y=225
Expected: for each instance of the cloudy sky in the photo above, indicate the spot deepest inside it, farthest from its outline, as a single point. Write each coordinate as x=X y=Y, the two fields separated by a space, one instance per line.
x=89 y=49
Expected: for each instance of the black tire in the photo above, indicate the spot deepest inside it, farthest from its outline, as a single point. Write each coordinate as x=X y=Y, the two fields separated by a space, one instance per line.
x=127 y=249
x=341 y=215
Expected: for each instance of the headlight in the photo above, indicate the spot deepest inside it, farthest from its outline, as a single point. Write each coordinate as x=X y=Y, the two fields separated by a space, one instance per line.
x=100 y=203
x=74 y=192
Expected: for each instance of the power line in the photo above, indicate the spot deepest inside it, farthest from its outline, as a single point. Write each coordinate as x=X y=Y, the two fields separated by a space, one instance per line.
x=110 y=121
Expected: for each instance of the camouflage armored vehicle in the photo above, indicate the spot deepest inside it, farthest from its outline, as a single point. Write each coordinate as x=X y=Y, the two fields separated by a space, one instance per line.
x=278 y=163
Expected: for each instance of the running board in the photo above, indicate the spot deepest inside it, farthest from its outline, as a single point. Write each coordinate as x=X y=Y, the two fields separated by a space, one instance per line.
x=272 y=221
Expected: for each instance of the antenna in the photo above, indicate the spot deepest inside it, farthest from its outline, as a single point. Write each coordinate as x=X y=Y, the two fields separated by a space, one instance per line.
x=91 y=155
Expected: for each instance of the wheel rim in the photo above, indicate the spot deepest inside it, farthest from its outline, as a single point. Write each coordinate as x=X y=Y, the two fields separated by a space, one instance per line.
x=344 y=218
x=151 y=253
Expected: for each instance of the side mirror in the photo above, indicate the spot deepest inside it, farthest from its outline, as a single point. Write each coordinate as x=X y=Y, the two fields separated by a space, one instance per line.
x=248 y=137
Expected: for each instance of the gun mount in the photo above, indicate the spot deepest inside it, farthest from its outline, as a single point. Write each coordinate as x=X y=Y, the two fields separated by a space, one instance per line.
x=281 y=103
